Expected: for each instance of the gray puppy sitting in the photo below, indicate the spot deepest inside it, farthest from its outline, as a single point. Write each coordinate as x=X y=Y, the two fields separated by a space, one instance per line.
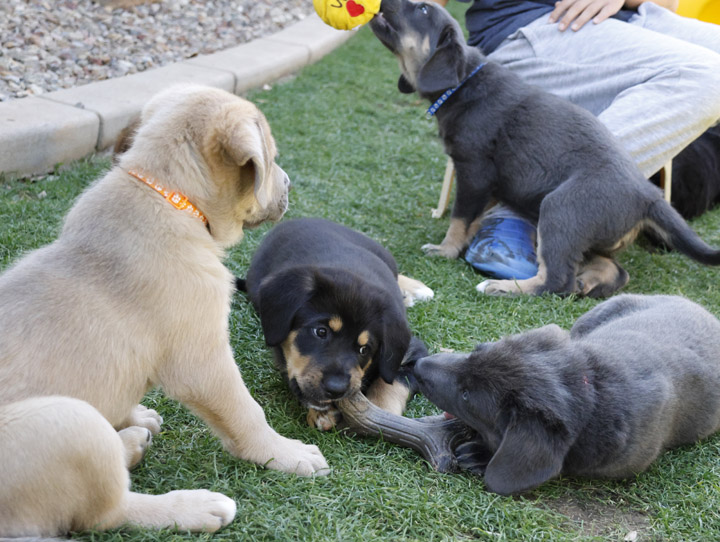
x=634 y=376
x=549 y=160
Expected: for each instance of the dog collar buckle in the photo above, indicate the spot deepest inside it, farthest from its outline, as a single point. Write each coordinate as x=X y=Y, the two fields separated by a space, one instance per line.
x=176 y=199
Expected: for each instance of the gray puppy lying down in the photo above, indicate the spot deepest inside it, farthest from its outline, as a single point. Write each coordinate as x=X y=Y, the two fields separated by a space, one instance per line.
x=634 y=376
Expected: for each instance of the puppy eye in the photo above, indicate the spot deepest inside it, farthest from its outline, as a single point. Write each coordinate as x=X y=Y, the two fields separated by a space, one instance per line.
x=364 y=350
x=423 y=8
x=465 y=395
x=320 y=332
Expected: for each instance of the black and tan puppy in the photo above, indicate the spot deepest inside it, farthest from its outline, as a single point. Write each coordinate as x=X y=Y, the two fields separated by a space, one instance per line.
x=546 y=158
x=634 y=376
x=332 y=306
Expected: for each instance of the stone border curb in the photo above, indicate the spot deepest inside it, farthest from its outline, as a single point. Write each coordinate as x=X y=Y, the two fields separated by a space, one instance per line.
x=39 y=132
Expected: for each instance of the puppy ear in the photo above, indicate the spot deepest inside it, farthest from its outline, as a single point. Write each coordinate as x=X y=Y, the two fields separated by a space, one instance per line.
x=246 y=142
x=394 y=343
x=125 y=138
x=405 y=86
x=528 y=455
x=281 y=296
x=440 y=72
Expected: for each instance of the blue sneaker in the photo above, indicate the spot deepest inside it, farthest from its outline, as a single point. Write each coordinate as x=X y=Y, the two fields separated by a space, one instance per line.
x=504 y=246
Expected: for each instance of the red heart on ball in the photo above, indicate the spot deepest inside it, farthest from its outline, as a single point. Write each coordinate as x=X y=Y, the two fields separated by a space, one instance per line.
x=354 y=9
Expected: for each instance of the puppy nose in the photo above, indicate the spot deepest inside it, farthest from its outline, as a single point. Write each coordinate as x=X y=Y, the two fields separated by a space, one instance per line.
x=336 y=385
x=427 y=367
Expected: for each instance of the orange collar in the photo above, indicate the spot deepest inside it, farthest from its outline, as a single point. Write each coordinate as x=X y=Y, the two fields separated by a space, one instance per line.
x=176 y=199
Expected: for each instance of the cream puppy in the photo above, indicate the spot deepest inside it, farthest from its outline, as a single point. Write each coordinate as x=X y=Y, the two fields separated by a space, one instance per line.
x=133 y=295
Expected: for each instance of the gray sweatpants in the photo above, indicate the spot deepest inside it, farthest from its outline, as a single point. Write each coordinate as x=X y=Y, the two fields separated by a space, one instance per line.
x=654 y=81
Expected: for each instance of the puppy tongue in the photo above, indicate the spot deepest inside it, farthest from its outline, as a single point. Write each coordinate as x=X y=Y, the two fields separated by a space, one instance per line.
x=449 y=416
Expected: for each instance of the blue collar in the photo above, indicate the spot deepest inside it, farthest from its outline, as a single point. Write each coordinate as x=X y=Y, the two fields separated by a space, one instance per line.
x=449 y=92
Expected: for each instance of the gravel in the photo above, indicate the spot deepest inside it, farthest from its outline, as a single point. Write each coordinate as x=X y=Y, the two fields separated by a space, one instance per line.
x=47 y=45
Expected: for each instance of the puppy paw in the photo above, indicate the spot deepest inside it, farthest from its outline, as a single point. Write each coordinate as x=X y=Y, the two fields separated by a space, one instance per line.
x=413 y=290
x=142 y=416
x=136 y=441
x=295 y=457
x=473 y=456
x=201 y=510
x=197 y=510
x=497 y=287
x=446 y=251
x=602 y=277
x=324 y=421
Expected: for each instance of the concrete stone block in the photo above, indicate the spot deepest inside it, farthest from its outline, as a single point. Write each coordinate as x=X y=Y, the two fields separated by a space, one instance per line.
x=36 y=134
x=258 y=62
x=116 y=101
x=314 y=34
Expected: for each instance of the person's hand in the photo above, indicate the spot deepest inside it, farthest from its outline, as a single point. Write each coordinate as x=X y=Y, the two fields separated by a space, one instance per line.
x=575 y=13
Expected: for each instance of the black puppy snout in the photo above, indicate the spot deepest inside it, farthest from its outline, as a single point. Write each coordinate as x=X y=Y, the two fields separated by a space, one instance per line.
x=336 y=385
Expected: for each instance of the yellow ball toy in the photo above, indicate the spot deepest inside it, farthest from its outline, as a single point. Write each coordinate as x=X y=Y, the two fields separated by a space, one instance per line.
x=346 y=14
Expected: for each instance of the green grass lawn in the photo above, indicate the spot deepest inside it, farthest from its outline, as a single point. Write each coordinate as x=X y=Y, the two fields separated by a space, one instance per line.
x=362 y=154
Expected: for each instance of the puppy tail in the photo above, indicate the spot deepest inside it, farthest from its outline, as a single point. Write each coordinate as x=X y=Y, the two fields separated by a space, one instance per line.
x=679 y=235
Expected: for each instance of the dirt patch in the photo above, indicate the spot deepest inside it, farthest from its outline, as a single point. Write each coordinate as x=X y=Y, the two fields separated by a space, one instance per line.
x=605 y=521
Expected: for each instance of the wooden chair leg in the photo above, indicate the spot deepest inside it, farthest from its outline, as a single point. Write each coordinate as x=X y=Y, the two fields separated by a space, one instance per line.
x=445 y=190
x=666 y=180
